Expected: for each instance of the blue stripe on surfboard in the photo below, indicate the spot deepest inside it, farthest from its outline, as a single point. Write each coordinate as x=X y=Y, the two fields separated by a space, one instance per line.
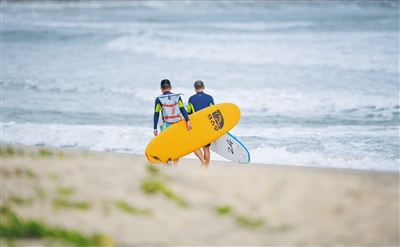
x=241 y=144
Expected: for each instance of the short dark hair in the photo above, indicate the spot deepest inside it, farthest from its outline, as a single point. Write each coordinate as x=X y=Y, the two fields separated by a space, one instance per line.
x=165 y=84
x=199 y=84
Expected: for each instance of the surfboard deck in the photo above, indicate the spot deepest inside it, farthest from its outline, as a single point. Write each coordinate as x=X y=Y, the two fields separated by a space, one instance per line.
x=208 y=125
x=229 y=147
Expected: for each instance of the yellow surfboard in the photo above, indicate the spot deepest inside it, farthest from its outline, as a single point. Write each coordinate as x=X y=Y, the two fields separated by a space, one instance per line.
x=208 y=125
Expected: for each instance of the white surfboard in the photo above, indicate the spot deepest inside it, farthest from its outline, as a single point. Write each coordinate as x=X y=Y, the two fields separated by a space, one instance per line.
x=231 y=148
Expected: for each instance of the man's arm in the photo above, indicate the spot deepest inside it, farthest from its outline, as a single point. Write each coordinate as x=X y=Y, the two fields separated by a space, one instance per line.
x=157 y=110
x=185 y=114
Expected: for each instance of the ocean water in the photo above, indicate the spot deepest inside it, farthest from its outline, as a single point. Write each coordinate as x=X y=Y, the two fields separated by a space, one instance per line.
x=317 y=82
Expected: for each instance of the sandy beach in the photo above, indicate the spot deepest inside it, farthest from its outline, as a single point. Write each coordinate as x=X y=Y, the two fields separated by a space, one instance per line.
x=132 y=203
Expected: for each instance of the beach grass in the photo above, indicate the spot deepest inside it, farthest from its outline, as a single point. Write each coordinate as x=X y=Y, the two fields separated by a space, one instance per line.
x=130 y=209
x=152 y=185
x=14 y=227
x=66 y=203
x=8 y=150
x=246 y=221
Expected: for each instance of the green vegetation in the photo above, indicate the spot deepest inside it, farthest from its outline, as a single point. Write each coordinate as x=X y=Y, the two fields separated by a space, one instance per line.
x=157 y=183
x=225 y=209
x=29 y=173
x=18 y=172
x=9 y=151
x=13 y=227
x=153 y=170
x=249 y=222
x=45 y=152
x=65 y=191
x=20 y=200
x=154 y=185
x=126 y=207
x=64 y=203
x=246 y=221
x=61 y=155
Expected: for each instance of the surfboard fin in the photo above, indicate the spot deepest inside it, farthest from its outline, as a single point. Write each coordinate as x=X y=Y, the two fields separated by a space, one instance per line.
x=169 y=162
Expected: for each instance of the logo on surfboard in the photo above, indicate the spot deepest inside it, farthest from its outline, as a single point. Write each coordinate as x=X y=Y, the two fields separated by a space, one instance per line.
x=216 y=120
x=230 y=148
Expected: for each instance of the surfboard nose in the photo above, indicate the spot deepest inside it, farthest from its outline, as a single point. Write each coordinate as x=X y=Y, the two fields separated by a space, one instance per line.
x=234 y=110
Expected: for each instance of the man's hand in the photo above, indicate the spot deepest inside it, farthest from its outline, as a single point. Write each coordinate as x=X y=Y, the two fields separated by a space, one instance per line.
x=188 y=125
x=155 y=132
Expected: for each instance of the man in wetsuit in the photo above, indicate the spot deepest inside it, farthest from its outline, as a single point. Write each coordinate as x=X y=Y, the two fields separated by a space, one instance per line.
x=171 y=107
x=197 y=102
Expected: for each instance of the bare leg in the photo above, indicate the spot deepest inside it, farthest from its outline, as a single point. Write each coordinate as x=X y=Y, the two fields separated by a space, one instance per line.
x=199 y=155
x=207 y=155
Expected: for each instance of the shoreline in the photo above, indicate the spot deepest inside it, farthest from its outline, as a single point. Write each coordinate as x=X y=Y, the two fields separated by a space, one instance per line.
x=192 y=160
x=226 y=204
